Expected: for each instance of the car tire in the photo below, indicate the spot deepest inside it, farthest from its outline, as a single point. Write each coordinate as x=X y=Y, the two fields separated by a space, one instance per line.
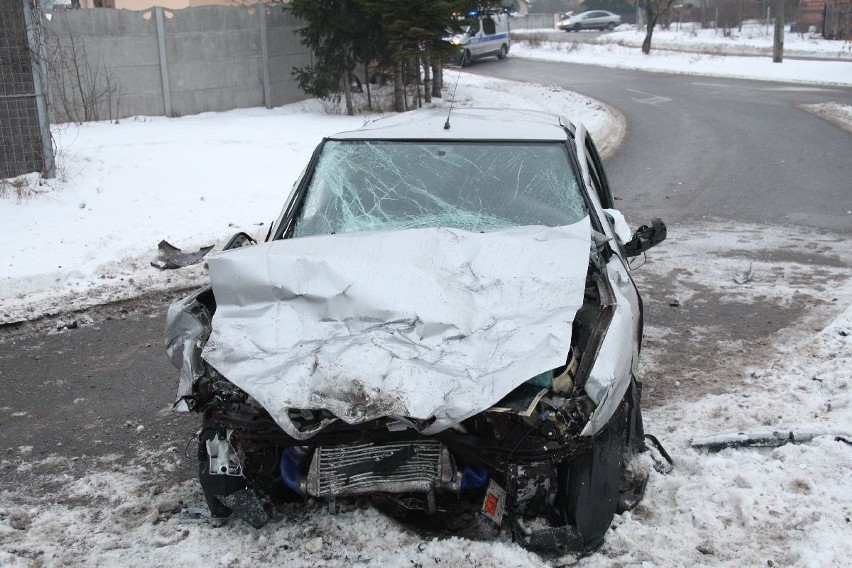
x=589 y=485
x=465 y=58
x=214 y=486
x=595 y=486
x=503 y=51
x=577 y=27
x=610 y=26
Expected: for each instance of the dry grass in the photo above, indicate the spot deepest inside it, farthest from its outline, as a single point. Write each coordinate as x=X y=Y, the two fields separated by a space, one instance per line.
x=21 y=187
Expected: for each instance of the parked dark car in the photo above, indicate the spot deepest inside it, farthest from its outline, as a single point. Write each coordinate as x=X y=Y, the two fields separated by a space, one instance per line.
x=442 y=318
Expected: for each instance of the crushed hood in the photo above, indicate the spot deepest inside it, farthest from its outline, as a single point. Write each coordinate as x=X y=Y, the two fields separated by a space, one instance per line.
x=425 y=323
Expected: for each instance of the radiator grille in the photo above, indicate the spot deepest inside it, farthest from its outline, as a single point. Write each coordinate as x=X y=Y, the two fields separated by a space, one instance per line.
x=331 y=472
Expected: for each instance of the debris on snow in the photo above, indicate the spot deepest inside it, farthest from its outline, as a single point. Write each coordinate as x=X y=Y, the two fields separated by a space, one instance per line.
x=170 y=257
x=758 y=438
x=19 y=519
x=745 y=276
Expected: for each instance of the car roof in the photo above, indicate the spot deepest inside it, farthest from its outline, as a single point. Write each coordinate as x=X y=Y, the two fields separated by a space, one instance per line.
x=465 y=124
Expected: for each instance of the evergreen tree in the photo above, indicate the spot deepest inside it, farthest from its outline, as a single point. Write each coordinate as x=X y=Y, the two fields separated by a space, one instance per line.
x=334 y=29
x=345 y=33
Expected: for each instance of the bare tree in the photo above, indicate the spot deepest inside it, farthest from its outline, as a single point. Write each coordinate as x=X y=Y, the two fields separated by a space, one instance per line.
x=82 y=88
x=654 y=9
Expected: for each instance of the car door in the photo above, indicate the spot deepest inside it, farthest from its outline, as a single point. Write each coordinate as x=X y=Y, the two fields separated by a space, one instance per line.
x=489 y=29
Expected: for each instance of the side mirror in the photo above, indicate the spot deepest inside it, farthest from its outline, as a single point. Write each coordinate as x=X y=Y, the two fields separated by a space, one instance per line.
x=646 y=237
x=239 y=240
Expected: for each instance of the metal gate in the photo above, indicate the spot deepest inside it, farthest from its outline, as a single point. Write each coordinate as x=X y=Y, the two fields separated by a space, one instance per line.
x=837 y=20
x=25 y=144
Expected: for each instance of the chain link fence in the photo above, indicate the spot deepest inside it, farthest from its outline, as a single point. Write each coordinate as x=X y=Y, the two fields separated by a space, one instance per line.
x=25 y=144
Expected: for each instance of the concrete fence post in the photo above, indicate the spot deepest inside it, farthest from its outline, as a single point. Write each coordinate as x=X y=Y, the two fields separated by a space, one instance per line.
x=164 y=64
x=36 y=63
x=264 y=55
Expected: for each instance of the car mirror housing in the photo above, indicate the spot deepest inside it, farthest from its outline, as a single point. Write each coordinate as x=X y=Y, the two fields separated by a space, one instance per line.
x=238 y=241
x=646 y=237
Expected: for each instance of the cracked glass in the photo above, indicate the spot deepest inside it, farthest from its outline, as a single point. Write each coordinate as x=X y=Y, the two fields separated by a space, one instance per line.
x=372 y=185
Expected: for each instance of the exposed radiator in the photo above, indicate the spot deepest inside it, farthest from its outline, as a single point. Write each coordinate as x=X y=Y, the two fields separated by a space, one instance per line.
x=398 y=467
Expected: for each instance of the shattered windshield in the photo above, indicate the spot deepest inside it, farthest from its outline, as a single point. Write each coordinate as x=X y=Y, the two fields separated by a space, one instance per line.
x=388 y=185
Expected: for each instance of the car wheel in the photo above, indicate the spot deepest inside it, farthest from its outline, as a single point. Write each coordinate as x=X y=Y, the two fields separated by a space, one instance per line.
x=610 y=26
x=595 y=486
x=215 y=486
x=465 y=59
x=577 y=27
x=589 y=487
x=503 y=51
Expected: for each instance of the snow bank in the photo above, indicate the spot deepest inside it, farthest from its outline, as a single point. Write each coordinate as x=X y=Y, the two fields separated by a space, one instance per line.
x=753 y=39
x=88 y=236
x=706 y=64
x=839 y=114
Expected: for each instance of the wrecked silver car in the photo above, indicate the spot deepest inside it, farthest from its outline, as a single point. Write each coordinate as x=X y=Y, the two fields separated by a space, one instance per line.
x=442 y=319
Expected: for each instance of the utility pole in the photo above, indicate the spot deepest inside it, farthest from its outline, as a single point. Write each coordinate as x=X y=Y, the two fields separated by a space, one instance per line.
x=778 y=43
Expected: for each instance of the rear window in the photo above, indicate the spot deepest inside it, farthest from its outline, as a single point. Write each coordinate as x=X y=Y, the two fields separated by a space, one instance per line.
x=389 y=185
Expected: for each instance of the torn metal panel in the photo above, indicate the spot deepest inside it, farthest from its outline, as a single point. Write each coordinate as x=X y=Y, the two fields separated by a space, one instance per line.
x=187 y=327
x=170 y=257
x=420 y=323
x=612 y=371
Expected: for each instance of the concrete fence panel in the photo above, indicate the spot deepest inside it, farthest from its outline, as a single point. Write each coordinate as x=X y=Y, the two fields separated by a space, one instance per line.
x=214 y=59
x=285 y=53
x=173 y=62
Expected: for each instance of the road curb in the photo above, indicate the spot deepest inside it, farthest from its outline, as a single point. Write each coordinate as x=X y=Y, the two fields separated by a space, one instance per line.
x=609 y=140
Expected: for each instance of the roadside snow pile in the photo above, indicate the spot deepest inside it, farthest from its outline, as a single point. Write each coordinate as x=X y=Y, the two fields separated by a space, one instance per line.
x=662 y=61
x=839 y=114
x=88 y=237
x=786 y=506
x=754 y=38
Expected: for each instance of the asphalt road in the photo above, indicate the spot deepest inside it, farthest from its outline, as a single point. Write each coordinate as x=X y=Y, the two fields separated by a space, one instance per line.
x=704 y=147
x=695 y=148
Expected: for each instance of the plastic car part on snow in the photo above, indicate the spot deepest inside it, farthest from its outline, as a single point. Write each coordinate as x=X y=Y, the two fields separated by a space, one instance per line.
x=170 y=257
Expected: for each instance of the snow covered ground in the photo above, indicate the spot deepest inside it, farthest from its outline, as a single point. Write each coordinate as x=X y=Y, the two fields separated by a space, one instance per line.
x=88 y=236
x=754 y=38
x=786 y=506
x=694 y=52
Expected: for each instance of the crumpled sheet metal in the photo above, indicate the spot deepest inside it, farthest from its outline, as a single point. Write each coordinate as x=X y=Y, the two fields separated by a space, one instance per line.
x=418 y=323
x=187 y=326
x=610 y=376
x=169 y=257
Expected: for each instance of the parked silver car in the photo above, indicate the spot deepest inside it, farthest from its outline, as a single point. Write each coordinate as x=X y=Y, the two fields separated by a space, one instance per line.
x=442 y=319
x=595 y=19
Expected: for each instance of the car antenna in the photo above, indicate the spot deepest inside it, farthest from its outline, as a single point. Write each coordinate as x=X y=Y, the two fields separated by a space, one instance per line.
x=452 y=100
